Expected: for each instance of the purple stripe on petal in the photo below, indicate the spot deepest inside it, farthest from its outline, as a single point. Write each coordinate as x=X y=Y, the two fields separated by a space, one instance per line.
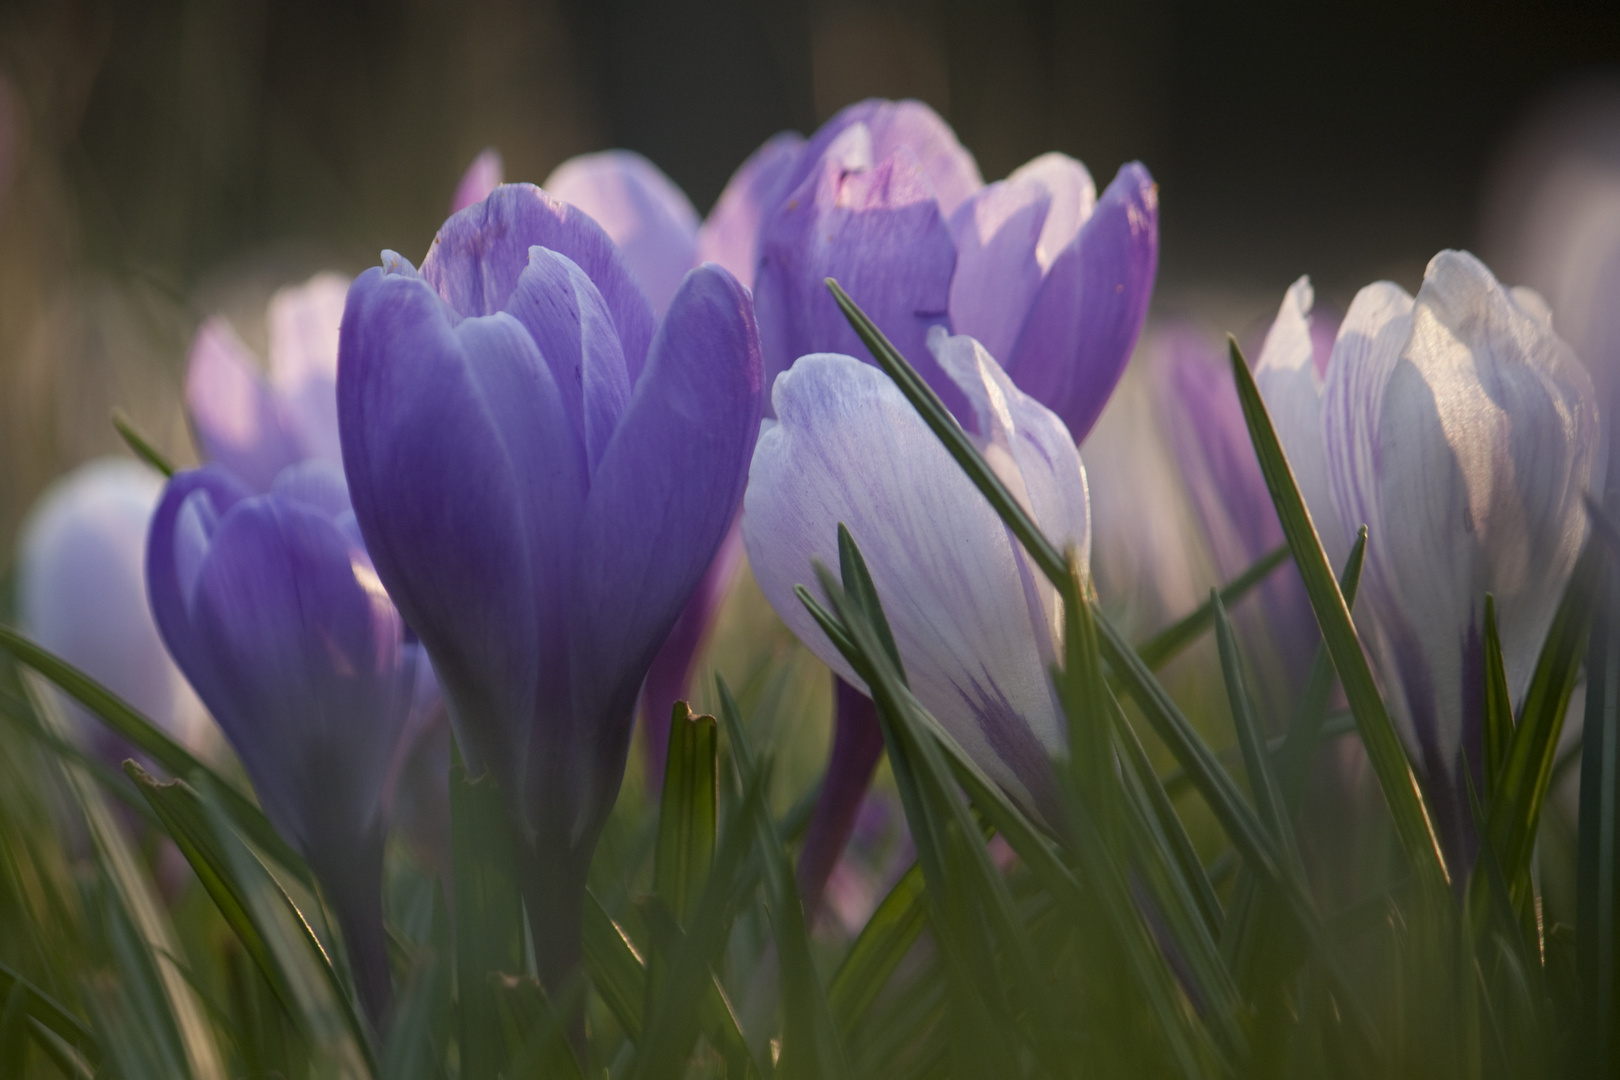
x=479 y=254
x=660 y=504
x=1086 y=316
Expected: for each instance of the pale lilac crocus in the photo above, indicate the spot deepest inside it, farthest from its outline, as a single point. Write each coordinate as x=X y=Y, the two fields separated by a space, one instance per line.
x=483 y=175
x=81 y=593
x=1462 y=431
x=976 y=623
x=543 y=474
x=270 y=605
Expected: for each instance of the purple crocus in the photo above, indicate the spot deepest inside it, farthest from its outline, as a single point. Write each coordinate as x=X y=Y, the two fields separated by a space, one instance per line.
x=270 y=606
x=256 y=424
x=81 y=593
x=543 y=474
x=1462 y=431
x=977 y=626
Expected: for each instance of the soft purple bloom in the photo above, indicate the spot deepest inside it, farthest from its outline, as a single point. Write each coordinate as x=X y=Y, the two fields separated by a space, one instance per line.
x=1462 y=431
x=1051 y=279
x=977 y=625
x=647 y=216
x=483 y=176
x=730 y=234
x=271 y=607
x=257 y=424
x=81 y=593
x=542 y=483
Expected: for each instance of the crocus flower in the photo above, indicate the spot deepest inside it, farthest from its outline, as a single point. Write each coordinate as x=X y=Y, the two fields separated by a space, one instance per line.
x=1462 y=431
x=257 y=425
x=543 y=481
x=1040 y=270
x=650 y=219
x=81 y=594
x=976 y=624
x=271 y=607
x=483 y=176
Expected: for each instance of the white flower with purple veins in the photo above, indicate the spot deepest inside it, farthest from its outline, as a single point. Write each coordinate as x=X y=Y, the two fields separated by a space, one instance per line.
x=976 y=623
x=1462 y=431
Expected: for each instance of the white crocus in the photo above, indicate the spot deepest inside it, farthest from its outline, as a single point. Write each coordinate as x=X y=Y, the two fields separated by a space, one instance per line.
x=976 y=623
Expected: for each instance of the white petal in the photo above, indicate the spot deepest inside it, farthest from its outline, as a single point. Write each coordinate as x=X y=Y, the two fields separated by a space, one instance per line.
x=848 y=448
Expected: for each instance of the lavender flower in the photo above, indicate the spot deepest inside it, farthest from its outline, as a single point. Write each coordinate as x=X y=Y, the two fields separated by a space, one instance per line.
x=542 y=483
x=82 y=595
x=483 y=176
x=975 y=623
x=1462 y=431
x=271 y=607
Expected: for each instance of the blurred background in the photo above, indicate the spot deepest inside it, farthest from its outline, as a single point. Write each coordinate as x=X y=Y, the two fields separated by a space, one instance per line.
x=164 y=159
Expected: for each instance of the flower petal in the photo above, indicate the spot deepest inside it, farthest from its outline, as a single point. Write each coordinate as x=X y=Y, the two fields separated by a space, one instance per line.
x=467 y=483
x=649 y=218
x=948 y=168
x=660 y=504
x=848 y=448
x=303 y=322
x=1007 y=236
x=880 y=233
x=483 y=176
x=1087 y=314
x=238 y=421
x=480 y=253
x=730 y=234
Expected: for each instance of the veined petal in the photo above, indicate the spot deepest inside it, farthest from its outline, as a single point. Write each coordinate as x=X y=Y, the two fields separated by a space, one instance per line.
x=467 y=483
x=81 y=593
x=480 y=253
x=1085 y=318
x=483 y=176
x=303 y=321
x=237 y=419
x=660 y=504
x=1007 y=236
x=1287 y=377
x=948 y=168
x=649 y=218
x=730 y=234
x=570 y=324
x=881 y=234
x=848 y=448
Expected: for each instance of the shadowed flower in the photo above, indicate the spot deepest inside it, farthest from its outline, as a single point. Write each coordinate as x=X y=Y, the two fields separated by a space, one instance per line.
x=1462 y=431
x=976 y=624
x=81 y=593
x=543 y=482
x=271 y=607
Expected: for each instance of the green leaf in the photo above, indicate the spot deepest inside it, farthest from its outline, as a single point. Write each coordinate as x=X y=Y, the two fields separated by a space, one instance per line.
x=884 y=942
x=1598 y=917
x=128 y=724
x=1413 y=823
x=1168 y=643
x=536 y=1031
x=138 y=443
x=48 y=1013
x=1498 y=705
x=688 y=811
x=271 y=928
x=616 y=969
x=419 y=1029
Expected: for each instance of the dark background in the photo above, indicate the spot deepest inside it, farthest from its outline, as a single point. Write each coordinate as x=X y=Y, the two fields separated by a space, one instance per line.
x=154 y=151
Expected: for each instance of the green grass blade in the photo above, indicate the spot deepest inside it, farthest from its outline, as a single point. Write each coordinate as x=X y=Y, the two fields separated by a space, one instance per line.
x=128 y=724
x=47 y=1012
x=1413 y=823
x=615 y=968
x=883 y=943
x=688 y=811
x=1169 y=642
x=140 y=444
x=1251 y=740
x=1597 y=940
x=1498 y=705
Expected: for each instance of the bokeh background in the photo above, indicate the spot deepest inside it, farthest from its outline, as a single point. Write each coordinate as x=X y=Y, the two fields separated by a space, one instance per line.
x=163 y=159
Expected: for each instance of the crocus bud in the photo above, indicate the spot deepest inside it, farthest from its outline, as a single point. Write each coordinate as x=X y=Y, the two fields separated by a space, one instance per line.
x=271 y=607
x=650 y=219
x=975 y=622
x=542 y=483
x=483 y=176
x=254 y=423
x=1462 y=431
x=81 y=594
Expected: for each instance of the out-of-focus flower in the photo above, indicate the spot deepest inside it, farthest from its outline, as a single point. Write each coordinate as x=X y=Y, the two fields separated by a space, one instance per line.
x=256 y=424
x=976 y=624
x=1462 y=431
x=730 y=234
x=483 y=176
x=542 y=483
x=650 y=219
x=82 y=595
x=1036 y=267
x=271 y=607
